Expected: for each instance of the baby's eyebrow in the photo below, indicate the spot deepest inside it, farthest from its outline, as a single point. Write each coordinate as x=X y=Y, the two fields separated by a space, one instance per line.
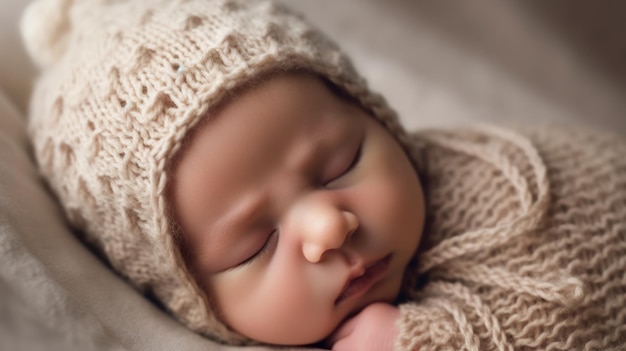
x=245 y=211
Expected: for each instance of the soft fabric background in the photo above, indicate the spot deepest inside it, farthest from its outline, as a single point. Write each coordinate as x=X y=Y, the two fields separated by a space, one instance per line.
x=445 y=62
x=438 y=63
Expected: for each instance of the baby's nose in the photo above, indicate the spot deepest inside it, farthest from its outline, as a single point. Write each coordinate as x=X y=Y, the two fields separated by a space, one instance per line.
x=328 y=229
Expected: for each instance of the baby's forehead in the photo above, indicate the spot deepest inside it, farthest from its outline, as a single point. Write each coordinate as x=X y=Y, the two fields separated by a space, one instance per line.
x=276 y=105
x=302 y=87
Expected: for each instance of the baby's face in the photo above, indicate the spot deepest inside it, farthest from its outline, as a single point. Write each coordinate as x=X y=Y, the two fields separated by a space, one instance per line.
x=298 y=209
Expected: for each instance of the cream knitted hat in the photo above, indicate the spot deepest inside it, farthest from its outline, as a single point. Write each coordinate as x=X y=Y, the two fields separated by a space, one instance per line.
x=122 y=83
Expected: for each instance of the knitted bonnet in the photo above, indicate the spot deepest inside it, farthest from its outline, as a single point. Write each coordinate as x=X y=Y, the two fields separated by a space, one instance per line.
x=122 y=83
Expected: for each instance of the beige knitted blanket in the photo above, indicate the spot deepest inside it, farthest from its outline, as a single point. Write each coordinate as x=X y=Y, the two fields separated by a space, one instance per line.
x=525 y=244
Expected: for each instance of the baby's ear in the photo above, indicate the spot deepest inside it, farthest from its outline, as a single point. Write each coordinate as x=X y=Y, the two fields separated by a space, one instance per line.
x=45 y=26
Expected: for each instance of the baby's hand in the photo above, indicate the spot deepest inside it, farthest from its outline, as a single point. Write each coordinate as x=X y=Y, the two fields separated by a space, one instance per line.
x=374 y=328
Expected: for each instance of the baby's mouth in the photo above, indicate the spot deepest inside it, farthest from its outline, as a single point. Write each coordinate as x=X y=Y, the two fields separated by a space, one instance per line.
x=360 y=285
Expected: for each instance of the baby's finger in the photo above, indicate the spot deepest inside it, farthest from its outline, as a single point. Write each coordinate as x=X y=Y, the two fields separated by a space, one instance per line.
x=342 y=332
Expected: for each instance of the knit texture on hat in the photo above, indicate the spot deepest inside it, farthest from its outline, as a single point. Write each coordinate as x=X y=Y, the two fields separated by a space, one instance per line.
x=525 y=247
x=123 y=82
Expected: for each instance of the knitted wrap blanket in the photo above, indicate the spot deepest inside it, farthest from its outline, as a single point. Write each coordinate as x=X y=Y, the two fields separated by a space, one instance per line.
x=525 y=242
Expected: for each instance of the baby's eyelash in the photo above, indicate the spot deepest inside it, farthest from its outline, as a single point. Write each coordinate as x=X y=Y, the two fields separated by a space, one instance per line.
x=356 y=159
x=262 y=251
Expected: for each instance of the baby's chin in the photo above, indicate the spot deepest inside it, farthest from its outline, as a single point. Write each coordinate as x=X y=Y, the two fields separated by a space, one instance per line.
x=297 y=334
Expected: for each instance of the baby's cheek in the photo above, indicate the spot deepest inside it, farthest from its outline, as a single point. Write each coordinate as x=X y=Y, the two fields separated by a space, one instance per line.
x=384 y=199
x=278 y=307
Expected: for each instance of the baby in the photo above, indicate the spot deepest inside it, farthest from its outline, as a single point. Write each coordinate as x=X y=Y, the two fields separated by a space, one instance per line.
x=314 y=213
x=226 y=159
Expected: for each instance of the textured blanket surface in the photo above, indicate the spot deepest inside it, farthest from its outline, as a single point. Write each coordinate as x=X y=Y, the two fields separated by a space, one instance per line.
x=525 y=246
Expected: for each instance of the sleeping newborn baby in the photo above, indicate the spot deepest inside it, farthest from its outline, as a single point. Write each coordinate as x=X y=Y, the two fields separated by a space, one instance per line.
x=227 y=160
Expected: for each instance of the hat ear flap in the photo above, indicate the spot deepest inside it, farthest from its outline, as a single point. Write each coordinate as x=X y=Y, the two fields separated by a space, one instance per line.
x=45 y=27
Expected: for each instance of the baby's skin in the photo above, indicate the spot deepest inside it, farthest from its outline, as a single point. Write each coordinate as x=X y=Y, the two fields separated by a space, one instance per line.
x=299 y=214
